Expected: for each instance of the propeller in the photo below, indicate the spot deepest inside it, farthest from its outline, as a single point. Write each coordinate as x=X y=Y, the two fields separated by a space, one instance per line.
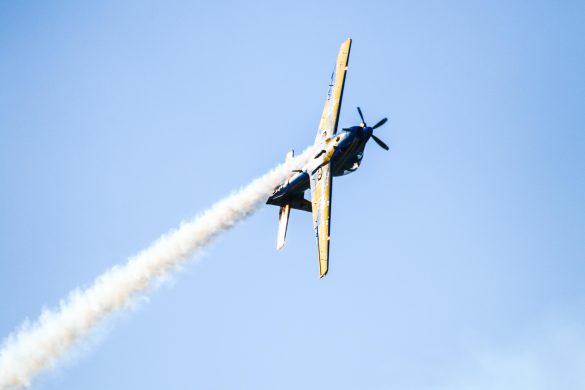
x=362 y=116
x=380 y=142
x=380 y=123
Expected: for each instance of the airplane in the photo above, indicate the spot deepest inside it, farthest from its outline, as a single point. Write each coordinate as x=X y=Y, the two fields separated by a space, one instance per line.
x=337 y=154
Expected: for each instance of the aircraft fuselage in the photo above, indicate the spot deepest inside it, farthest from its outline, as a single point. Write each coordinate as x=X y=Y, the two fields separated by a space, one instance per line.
x=344 y=150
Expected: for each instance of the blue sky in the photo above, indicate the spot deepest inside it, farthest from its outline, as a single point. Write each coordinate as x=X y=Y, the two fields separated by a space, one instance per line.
x=457 y=258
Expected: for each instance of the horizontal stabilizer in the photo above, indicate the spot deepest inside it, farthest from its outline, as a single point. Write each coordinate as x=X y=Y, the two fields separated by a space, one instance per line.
x=283 y=214
x=282 y=225
x=300 y=203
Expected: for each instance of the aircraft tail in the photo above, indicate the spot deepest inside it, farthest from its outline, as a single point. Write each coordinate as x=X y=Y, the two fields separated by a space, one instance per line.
x=283 y=214
x=282 y=225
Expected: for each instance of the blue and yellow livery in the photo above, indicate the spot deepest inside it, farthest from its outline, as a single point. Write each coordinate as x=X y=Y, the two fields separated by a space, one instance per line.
x=338 y=154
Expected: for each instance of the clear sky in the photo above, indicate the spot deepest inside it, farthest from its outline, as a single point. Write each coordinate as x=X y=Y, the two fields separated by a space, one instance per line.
x=457 y=259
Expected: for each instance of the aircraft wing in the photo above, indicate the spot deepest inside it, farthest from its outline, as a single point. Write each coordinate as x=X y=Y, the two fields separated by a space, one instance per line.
x=330 y=116
x=321 y=206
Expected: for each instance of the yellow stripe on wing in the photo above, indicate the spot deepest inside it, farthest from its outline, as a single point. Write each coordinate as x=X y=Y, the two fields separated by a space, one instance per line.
x=330 y=116
x=321 y=205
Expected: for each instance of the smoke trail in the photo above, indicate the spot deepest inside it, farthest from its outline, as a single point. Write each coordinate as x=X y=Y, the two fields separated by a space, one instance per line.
x=34 y=348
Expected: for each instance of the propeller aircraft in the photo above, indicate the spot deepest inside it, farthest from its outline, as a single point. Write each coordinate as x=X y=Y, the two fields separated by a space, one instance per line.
x=337 y=154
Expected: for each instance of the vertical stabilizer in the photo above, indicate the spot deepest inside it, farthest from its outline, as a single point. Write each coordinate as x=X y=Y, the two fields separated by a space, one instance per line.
x=283 y=214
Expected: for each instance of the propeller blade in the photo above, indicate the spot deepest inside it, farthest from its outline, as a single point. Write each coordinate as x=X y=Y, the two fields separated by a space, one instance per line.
x=361 y=116
x=380 y=123
x=380 y=142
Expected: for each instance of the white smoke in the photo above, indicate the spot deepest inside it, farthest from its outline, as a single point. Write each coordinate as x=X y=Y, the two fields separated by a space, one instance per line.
x=36 y=347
